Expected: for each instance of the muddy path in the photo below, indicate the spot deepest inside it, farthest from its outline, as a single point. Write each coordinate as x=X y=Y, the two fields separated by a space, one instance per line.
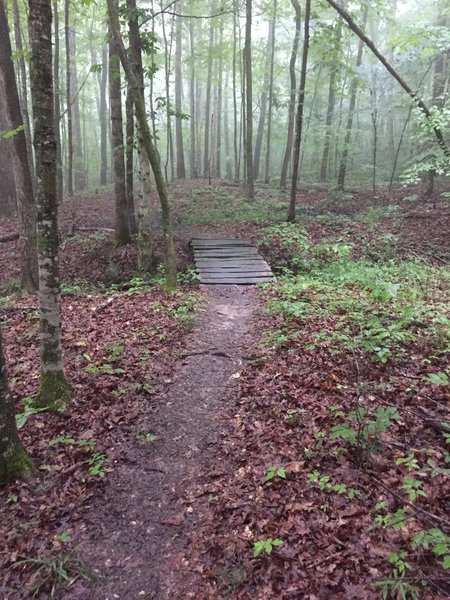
x=137 y=537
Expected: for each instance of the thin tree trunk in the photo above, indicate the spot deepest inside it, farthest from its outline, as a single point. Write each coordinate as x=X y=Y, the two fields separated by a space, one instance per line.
x=263 y=102
x=292 y=97
x=145 y=237
x=122 y=228
x=56 y=80
x=20 y=161
x=68 y=101
x=14 y=461
x=330 y=105
x=170 y=258
x=269 y=116
x=299 y=118
x=129 y=167
x=181 y=169
x=218 y=169
x=235 y=110
x=24 y=86
x=79 y=176
x=250 y=180
x=193 y=120
x=226 y=126
x=351 y=111
x=104 y=119
x=206 y=153
x=54 y=390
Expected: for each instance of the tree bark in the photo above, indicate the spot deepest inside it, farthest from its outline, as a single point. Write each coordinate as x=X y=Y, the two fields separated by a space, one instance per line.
x=292 y=97
x=54 y=390
x=20 y=162
x=170 y=258
x=14 y=462
x=181 y=169
x=56 y=79
x=145 y=236
x=250 y=180
x=104 y=119
x=69 y=140
x=299 y=118
x=269 y=116
x=122 y=228
x=129 y=130
x=193 y=120
x=206 y=153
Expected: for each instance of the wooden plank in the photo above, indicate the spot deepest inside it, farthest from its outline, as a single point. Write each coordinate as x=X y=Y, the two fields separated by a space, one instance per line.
x=216 y=242
x=229 y=262
x=231 y=281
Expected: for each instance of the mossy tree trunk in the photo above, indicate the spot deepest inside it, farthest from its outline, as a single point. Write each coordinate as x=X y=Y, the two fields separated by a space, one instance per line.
x=14 y=461
x=152 y=154
x=54 y=389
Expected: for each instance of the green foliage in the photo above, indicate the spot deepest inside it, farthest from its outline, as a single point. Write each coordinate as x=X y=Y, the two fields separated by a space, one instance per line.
x=273 y=472
x=362 y=429
x=104 y=369
x=145 y=436
x=189 y=276
x=437 y=541
x=266 y=546
x=326 y=483
x=412 y=487
x=29 y=409
x=10 y=133
x=96 y=464
x=438 y=378
x=50 y=573
x=397 y=584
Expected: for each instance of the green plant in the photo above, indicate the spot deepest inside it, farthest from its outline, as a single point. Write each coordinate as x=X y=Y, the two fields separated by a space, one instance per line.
x=189 y=276
x=412 y=488
x=363 y=430
x=266 y=546
x=145 y=436
x=104 y=369
x=438 y=378
x=438 y=541
x=396 y=584
x=273 y=472
x=96 y=464
x=114 y=351
x=28 y=410
x=326 y=483
x=50 y=573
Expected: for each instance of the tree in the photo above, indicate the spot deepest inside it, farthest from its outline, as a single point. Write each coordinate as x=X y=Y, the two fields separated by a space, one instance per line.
x=292 y=96
x=54 y=390
x=181 y=169
x=250 y=181
x=122 y=226
x=152 y=154
x=299 y=118
x=20 y=161
x=14 y=461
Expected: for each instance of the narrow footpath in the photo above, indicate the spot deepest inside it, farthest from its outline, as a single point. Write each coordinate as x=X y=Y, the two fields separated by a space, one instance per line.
x=136 y=538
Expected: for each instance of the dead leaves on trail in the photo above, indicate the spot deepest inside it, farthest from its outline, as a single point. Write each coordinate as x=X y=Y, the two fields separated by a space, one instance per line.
x=117 y=360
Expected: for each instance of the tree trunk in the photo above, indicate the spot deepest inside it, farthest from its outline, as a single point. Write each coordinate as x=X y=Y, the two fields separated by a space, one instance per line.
x=250 y=180
x=299 y=118
x=122 y=229
x=20 y=161
x=193 y=120
x=226 y=126
x=56 y=79
x=330 y=105
x=351 y=111
x=129 y=167
x=79 y=176
x=145 y=237
x=206 y=153
x=104 y=119
x=14 y=462
x=269 y=116
x=54 y=389
x=181 y=169
x=24 y=86
x=170 y=258
x=68 y=101
x=218 y=166
x=292 y=97
x=235 y=110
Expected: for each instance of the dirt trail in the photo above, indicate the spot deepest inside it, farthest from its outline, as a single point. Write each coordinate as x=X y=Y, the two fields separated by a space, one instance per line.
x=137 y=535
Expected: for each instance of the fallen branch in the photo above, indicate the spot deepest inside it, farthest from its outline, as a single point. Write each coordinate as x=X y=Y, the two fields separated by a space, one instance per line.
x=10 y=237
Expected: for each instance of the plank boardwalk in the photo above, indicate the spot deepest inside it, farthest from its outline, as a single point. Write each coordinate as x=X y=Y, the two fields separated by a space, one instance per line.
x=228 y=261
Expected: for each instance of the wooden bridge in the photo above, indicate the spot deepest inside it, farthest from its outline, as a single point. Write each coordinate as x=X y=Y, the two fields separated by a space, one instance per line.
x=229 y=261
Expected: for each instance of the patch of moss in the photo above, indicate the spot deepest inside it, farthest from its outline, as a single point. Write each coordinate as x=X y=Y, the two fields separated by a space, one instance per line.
x=19 y=465
x=54 y=393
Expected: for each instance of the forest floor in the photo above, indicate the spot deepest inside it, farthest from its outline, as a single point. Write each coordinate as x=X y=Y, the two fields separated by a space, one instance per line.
x=284 y=442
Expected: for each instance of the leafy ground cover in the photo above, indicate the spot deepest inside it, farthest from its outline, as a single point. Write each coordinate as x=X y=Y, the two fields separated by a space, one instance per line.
x=331 y=478
x=340 y=457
